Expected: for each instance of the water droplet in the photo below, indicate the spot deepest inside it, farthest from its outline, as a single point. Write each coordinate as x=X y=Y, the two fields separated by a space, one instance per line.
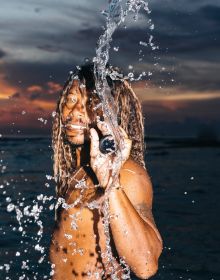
x=44 y=121
x=20 y=229
x=130 y=75
x=143 y=43
x=87 y=60
x=53 y=114
x=151 y=27
x=8 y=199
x=10 y=207
x=51 y=207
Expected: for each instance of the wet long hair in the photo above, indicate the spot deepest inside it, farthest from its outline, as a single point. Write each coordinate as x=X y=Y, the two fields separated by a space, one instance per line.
x=129 y=115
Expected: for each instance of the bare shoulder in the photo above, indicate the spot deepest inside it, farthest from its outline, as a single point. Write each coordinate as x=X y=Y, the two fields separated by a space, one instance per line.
x=135 y=167
x=136 y=183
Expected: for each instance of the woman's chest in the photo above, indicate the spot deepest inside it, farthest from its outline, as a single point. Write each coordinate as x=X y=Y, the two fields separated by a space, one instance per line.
x=80 y=242
x=81 y=232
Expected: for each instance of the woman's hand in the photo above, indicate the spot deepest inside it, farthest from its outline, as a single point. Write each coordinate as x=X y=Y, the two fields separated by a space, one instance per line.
x=107 y=166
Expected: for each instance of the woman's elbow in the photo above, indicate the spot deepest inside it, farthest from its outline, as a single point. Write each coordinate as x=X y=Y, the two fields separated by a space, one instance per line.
x=146 y=271
x=148 y=267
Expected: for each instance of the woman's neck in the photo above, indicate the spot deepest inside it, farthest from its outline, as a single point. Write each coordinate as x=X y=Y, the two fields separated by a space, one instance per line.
x=82 y=156
x=78 y=157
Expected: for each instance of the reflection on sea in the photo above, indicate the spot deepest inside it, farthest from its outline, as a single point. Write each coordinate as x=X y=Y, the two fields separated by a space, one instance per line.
x=186 y=191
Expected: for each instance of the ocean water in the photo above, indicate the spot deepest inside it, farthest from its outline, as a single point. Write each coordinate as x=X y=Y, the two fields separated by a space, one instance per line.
x=186 y=182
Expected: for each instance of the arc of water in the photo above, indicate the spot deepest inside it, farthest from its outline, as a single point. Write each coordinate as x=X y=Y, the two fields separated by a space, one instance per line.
x=115 y=16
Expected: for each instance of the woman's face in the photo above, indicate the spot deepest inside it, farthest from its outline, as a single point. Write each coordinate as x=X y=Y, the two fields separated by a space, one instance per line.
x=75 y=117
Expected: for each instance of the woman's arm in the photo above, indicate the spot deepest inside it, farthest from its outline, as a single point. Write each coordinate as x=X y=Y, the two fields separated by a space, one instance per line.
x=136 y=237
x=135 y=234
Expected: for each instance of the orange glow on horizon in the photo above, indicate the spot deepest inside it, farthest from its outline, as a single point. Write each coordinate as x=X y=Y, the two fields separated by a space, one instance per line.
x=46 y=105
x=35 y=88
x=158 y=94
x=54 y=87
x=6 y=90
x=158 y=100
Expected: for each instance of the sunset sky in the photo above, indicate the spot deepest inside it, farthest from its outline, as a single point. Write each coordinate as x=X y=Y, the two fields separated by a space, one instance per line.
x=42 y=40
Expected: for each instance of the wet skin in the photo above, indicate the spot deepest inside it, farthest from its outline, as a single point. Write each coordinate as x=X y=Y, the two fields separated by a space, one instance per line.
x=134 y=233
x=75 y=116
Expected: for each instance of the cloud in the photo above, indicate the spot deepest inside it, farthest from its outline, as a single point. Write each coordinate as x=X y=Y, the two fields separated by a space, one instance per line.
x=184 y=31
x=187 y=33
x=35 y=88
x=150 y=92
x=49 y=92
x=34 y=96
x=212 y=13
x=49 y=48
x=2 y=54
x=6 y=89
x=180 y=111
x=15 y=95
x=54 y=87
x=25 y=74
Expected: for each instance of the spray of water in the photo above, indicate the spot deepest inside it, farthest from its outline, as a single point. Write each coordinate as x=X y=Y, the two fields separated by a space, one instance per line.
x=115 y=15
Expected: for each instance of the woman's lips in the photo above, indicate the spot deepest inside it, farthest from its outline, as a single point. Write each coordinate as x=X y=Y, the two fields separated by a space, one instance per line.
x=75 y=126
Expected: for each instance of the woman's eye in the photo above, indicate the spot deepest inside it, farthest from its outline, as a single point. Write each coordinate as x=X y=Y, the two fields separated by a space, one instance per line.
x=71 y=100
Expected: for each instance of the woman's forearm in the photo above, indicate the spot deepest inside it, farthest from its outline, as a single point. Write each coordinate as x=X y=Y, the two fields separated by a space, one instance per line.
x=134 y=238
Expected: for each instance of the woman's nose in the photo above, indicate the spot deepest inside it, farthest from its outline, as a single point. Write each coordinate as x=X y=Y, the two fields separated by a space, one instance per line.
x=78 y=112
x=82 y=114
x=79 y=109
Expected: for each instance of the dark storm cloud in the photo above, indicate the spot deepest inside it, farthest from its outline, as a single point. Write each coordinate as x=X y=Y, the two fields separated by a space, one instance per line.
x=198 y=76
x=187 y=32
x=37 y=10
x=189 y=41
x=212 y=13
x=26 y=74
x=16 y=95
x=2 y=53
x=49 y=48
x=43 y=96
x=181 y=31
x=34 y=96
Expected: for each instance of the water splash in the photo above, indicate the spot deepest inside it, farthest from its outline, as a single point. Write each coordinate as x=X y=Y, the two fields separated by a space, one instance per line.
x=115 y=15
x=28 y=216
